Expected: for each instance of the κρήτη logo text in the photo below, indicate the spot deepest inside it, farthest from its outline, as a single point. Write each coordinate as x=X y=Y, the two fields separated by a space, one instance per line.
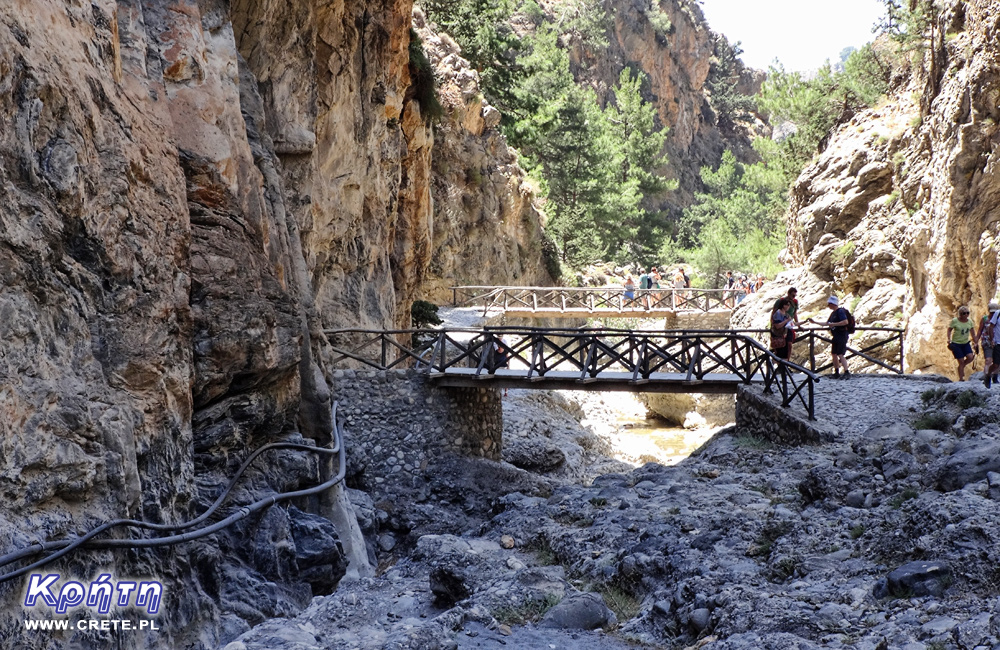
x=98 y=595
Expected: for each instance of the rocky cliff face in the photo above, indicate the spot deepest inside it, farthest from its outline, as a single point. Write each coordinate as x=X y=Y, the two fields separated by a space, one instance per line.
x=486 y=227
x=899 y=212
x=192 y=190
x=677 y=61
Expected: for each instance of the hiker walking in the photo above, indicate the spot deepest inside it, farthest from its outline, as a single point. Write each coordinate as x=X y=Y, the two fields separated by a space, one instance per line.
x=985 y=339
x=839 y=323
x=960 y=340
x=678 y=288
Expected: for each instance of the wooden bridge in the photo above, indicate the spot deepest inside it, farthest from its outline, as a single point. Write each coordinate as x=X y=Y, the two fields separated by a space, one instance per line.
x=600 y=359
x=574 y=302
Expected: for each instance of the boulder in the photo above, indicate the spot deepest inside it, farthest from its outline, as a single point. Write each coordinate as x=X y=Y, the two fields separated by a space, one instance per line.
x=969 y=464
x=691 y=410
x=581 y=611
x=916 y=579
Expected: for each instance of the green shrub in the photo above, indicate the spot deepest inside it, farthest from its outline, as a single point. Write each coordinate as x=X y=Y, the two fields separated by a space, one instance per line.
x=474 y=176
x=931 y=394
x=970 y=399
x=857 y=531
x=423 y=314
x=844 y=252
x=530 y=610
x=934 y=420
x=424 y=86
x=658 y=20
x=621 y=602
x=901 y=498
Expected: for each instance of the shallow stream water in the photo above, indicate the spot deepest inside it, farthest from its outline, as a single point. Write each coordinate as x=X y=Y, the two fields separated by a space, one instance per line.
x=659 y=440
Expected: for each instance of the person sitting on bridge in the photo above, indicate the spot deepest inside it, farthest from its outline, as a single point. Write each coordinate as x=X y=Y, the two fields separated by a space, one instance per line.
x=839 y=324
x=779 y=332
x=959 y=340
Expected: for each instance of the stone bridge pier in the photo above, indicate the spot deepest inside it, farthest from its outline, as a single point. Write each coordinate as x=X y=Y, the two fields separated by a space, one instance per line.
x=398 y=422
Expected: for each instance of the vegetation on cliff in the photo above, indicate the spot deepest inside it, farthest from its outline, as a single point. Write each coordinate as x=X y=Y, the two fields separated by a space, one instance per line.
x=596 y=164
x=598 y=158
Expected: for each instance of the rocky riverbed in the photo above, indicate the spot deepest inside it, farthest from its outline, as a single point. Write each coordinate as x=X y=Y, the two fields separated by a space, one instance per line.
x=886 y=537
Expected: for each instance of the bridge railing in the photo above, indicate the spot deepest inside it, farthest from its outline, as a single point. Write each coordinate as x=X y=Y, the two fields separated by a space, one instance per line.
x=592 y=299
x=531 y=354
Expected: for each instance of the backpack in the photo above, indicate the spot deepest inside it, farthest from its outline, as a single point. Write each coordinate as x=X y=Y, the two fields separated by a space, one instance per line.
x=851 y=325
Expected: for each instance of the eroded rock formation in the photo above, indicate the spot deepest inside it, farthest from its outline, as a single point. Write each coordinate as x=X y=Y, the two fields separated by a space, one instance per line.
x=487 y=228
x=192 y=191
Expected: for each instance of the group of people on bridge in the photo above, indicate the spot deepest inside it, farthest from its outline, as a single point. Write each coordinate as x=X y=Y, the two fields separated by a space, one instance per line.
x=740 y=285
x=737 y=287
x=785 y=321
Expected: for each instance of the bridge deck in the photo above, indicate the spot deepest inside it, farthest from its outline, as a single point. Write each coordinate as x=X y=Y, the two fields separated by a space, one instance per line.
x=553 y=312
x=658 y=382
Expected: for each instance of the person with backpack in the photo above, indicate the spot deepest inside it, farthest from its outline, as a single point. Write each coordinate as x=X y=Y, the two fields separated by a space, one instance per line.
x=644 y=288
x=993 y=332
x=984 y=338
x=729 y=294
x=841 y=324
x=959 y=336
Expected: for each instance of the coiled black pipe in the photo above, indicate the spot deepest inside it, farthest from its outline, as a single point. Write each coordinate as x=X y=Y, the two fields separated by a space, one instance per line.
x=63 y=547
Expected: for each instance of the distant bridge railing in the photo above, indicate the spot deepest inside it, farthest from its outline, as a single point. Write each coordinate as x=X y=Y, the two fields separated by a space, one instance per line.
x=591 y=299
x=607 y=355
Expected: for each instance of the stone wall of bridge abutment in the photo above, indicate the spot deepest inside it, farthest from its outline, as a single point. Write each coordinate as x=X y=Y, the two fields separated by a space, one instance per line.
x=398 y=422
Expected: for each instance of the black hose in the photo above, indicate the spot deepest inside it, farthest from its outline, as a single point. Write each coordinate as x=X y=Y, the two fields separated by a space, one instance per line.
x=63 y=547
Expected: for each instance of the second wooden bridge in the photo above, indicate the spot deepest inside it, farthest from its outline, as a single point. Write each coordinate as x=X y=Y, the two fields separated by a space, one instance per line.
x=576 y=302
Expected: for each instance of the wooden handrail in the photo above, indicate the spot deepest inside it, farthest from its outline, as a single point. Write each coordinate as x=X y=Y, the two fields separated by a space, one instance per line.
x=589 y=352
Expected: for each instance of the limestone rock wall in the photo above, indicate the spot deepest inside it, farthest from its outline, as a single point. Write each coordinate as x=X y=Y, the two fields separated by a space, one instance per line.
x=486 y=228
x=899 y=212
x=192 y=191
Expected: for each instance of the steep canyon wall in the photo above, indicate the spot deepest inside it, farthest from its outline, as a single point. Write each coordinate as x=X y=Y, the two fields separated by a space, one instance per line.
x=677 y=62
x=192 y=191
x=900 y=211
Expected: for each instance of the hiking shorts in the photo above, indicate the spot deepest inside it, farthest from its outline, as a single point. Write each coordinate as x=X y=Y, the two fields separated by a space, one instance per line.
x=961 y=350
x=996 y=354
x=840 y=343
